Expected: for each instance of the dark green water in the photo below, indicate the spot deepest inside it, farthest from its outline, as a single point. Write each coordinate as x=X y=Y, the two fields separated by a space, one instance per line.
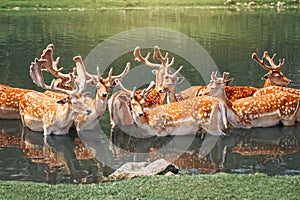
x=229 y=37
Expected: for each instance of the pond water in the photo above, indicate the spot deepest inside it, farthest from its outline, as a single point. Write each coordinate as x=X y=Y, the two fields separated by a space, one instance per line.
x=228 y=36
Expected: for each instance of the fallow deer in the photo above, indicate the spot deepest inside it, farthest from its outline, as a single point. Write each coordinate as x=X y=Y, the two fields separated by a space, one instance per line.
x=118 y=104
x=264 y=111
x=169 y=83
x=272 y=78
x=98 y=104
x=42 y=113
x=9 y=101
x=10 y=96
x=179 y=118
x=276 y=89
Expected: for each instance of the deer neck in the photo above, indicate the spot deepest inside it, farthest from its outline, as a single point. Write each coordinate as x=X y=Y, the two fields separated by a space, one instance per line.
x=66 y=113
x=231 y=114
x=171 y=95
x=268 y=83
x=99 y=104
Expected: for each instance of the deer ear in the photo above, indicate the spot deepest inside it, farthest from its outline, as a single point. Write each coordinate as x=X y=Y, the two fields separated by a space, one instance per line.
x=266 y=76
x=63 y=101
x=86 y=94
x=228 y=82
x=114 y=82
x=179 y=80
x=154 y=71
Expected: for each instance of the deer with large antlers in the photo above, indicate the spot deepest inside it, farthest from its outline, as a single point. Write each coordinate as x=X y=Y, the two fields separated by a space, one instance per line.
x=179 y=118
x=103 y=86
x=40 y=112
x=118 y=104
x=272 y=78
x=98 y=104
x=263 y=111
x=10 y=96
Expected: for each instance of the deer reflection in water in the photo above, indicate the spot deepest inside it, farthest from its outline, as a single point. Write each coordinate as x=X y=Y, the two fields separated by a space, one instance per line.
x=244 y=151
x=66 y=158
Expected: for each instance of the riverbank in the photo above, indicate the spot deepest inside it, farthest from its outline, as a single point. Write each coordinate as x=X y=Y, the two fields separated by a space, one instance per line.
x=218 y=186
x=141 y=4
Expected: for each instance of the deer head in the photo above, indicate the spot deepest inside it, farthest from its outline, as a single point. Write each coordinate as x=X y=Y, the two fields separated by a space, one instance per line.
x=75 y=97
x=159 y=68
x=274 y=76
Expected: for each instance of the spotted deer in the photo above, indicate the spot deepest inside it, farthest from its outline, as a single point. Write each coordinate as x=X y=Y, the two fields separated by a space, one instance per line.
x=99 y=102
x=179 y=118
x=272 y=78
x=169 y=83
x=263 y=111
x=118 y=104
x=40 y=112
x=103 y=86
x=9 y=101
x=276 y=89
x=10 y=96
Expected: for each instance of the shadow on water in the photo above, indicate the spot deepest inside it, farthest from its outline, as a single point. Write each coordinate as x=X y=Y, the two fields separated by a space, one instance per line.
x=28 y=156
x=274 y=151
x=91 y=157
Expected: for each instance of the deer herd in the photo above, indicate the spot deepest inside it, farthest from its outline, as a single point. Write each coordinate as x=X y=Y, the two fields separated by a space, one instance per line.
x=157 y=110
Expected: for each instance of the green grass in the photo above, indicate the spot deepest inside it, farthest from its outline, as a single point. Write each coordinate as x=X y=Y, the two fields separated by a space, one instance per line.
x=105 y=4
x=219 y=186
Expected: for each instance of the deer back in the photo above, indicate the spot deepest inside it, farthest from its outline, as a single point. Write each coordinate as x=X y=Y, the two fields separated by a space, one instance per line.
x=9 y=101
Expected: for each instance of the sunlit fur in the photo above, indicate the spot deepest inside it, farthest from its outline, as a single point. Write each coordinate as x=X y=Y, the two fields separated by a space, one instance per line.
x=181 y=118
x=263 y=111
x=42 y=113
x=9 y=101
x=276 y=89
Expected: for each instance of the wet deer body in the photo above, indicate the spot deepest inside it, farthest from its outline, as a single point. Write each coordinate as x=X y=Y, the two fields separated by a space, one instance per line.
x=180 y=118
x=272 y=78
x=42 y=113
x=9 y=101
x=263 y=111
x=119 y=103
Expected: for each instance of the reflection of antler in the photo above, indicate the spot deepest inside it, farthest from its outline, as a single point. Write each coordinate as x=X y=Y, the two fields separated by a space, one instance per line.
x=63 y=81
x=275 y=159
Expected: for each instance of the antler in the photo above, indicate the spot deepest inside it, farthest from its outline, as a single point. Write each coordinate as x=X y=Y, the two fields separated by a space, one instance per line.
x=139 y=58
x=82 y=74
x=112 y=79
x=270 y=60
x=156 y=55
x=147 y=90
x=121 y=86
x=36 y=75
x=64 y=81
x=223 y=80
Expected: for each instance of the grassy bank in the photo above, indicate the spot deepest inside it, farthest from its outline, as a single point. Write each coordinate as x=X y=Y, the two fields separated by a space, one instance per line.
x=108 y=4
x=220 y=186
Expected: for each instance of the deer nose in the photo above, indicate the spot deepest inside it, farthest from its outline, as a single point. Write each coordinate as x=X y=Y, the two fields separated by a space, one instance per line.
x=104 y=94
x=141 y=114
x=88 y=112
